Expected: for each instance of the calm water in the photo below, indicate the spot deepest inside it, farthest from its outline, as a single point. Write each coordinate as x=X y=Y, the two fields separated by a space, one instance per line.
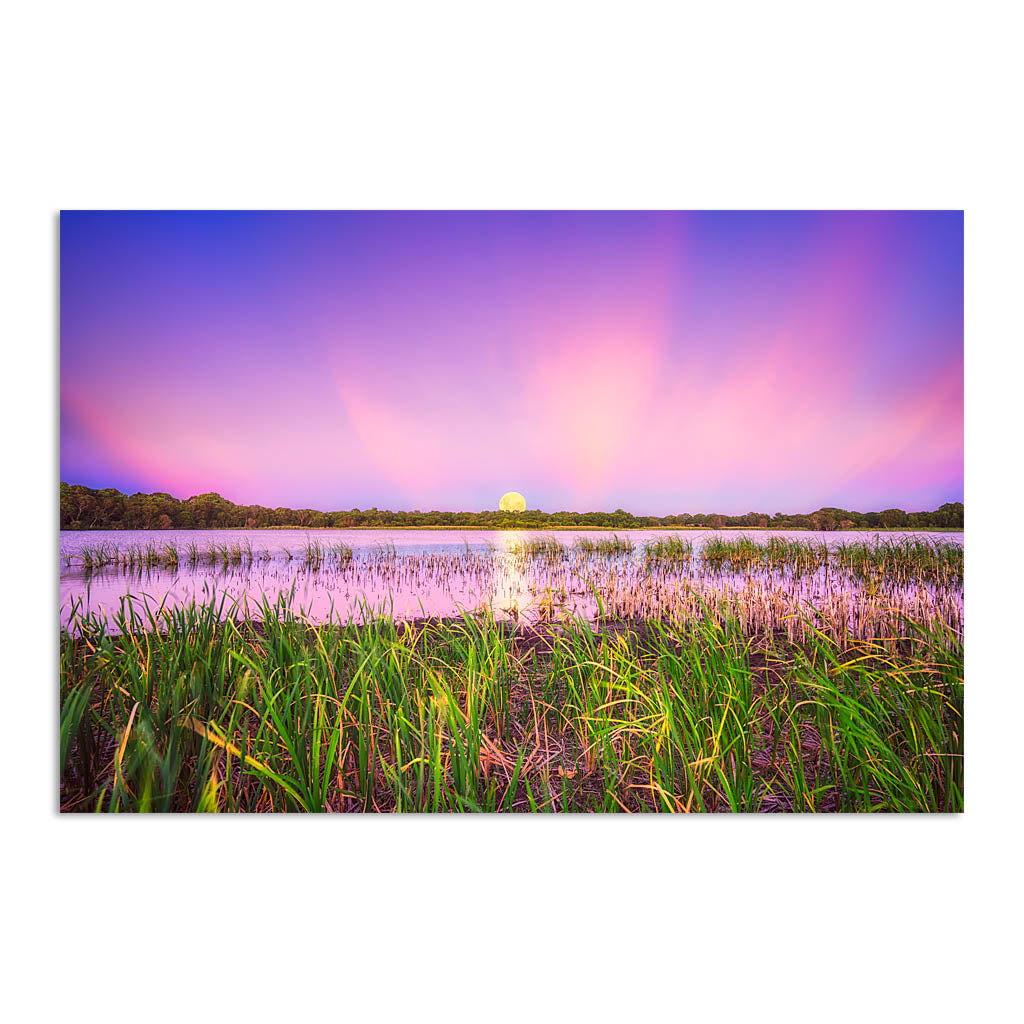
x=413 y=573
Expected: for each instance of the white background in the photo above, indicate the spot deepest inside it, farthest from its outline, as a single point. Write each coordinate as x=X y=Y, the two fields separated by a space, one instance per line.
x=526 y=105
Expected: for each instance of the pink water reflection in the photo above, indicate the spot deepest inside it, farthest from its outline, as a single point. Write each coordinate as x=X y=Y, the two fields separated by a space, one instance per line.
x=411 y=574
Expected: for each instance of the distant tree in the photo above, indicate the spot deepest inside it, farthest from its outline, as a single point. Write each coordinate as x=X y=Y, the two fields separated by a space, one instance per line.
x=893 y=517
x=82 y=508
x=829 y=518
x=950 y=515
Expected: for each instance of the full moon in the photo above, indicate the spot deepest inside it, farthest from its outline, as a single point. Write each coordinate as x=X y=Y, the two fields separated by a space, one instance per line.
x=512 y=502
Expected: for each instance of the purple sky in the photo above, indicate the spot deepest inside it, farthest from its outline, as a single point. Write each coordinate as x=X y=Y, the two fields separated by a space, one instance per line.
x=656 y=362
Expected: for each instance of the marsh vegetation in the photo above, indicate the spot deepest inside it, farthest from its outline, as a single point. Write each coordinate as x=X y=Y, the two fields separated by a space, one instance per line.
x=597 y=673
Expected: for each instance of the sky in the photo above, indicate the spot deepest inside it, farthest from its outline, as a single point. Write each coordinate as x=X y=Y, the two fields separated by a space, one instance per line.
x=656 y=362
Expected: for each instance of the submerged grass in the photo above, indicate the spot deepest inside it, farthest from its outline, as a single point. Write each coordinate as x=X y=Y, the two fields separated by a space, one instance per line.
x=543 y=548
x=604 y=546
x=209 y=707
x=899 y=561
x=168 y=555
x=670 y=551
x=905 y=560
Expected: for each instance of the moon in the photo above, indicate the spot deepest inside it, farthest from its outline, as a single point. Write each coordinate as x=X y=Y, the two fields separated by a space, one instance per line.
x=512 y=502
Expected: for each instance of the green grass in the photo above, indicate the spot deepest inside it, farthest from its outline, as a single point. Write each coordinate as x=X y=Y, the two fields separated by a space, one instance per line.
x=168 y=555
x=671 y=551
x=604 y=546
x=203 y=709
x=541 y=548
x=912 y=559
x=897 y=561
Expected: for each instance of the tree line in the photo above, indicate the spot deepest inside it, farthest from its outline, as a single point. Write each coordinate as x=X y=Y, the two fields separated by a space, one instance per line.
x=83 y=508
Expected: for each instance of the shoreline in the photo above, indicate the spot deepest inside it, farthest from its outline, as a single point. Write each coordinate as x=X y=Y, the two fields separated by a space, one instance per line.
x=519 y=529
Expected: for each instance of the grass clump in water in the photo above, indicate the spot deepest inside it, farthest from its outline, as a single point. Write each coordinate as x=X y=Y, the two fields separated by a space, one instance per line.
x=545 y=548
x=608 y=547
x=670 y=551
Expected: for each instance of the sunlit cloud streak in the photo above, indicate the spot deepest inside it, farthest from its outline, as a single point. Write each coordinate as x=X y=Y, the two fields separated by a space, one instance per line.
x=655 y=362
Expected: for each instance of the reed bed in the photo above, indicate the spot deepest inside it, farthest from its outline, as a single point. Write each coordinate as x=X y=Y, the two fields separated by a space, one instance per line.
x=607 y=547
x=898 y=561
x=851 y=592
x=547 y=549
x=132 y=557
x=222 y=707
x=920 y=560
x=673 y=551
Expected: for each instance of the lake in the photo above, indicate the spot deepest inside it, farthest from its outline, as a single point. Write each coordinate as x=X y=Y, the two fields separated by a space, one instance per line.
x=348 y=574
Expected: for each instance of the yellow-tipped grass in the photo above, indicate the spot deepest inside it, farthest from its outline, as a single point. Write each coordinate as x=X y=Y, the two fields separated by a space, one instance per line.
x=219 y=708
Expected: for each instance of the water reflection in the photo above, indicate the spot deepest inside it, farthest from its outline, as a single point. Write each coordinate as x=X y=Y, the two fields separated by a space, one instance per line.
x=521 y=576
